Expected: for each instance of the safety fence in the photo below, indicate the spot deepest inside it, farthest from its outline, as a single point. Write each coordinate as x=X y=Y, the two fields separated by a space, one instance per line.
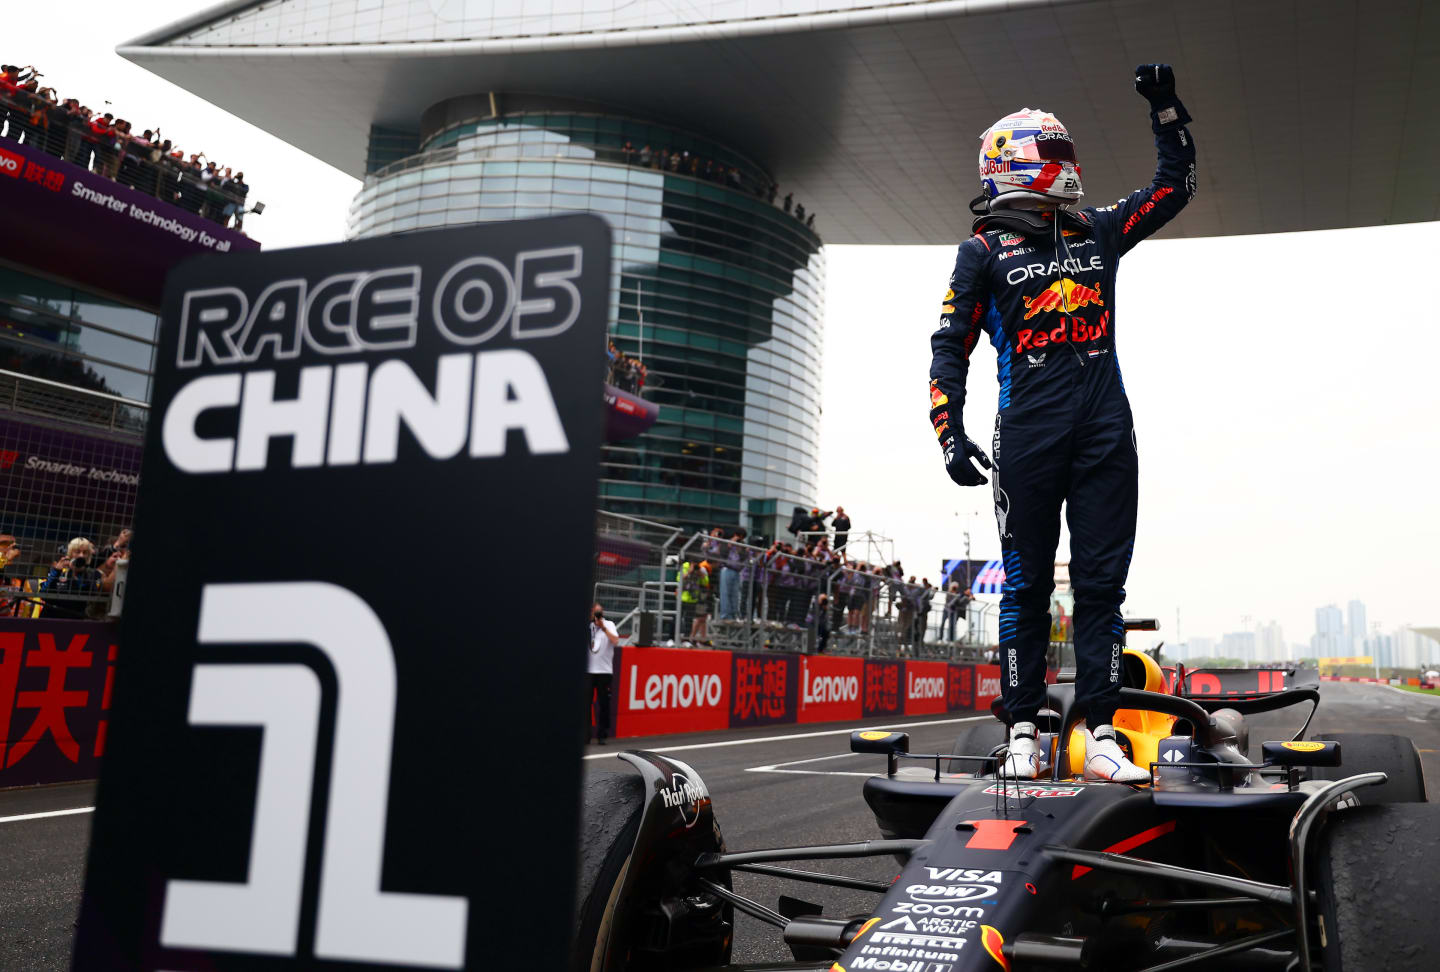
x=672 y=690
x=69 y=470
x=705 y=591
x=145 y=166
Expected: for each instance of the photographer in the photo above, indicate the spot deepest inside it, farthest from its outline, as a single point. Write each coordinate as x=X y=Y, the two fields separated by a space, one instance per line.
x=603 y=639
x=74 y=573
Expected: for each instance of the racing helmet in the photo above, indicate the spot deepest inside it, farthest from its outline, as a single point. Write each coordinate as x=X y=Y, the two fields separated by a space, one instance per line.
x=1028 y=154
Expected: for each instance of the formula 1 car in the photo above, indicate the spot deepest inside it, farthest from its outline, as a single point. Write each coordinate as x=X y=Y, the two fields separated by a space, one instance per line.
x=1323 y=854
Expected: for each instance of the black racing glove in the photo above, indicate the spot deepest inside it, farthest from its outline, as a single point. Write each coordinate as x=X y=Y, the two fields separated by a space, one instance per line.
x=959 y=450
x=1156 y=84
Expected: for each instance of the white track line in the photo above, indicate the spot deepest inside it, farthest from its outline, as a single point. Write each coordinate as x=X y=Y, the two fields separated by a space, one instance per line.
x=638 y=741
x=47 y=813
x=780 y=767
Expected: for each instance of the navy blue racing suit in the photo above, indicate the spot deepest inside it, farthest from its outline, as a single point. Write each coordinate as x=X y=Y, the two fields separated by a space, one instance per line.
x=1045 y=296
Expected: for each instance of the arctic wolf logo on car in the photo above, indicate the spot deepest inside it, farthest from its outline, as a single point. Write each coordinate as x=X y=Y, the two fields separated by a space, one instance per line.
x=1062 y=294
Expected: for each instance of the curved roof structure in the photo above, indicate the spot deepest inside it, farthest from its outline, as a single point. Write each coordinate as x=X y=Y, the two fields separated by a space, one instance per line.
x=869 y=112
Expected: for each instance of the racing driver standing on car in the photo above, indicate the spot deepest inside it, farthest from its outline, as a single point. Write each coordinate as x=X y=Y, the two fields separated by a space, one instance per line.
x=1039 y=279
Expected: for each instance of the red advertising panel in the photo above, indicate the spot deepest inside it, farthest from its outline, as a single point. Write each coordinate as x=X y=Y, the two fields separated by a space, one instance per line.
x=662 y=690
x=881 y=692
x=55 y=679
x=925 y=687
x=830 y=688
x=987 y=686
x=762 y=689
x=960 y=688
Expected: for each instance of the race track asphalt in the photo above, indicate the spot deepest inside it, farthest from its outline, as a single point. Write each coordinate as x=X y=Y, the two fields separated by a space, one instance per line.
x=814 y=799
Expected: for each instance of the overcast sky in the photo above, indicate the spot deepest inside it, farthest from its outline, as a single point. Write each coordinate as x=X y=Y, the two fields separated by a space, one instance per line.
x=1284 y=387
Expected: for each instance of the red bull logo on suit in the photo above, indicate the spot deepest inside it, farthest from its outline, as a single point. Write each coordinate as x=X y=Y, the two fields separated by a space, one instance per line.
x=1064 y=294
x=1072 y=329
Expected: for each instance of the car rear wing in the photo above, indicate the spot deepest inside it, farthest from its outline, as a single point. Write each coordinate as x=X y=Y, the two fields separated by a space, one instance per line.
x=1238 y=683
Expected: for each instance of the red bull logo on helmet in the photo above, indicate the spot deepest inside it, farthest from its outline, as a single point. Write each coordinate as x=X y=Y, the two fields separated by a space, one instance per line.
x=1064 y=294
x=1071 y=329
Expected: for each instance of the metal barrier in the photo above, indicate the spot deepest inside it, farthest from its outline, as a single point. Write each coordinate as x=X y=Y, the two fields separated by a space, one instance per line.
x=69 y=469
x=630 y=577
x=739 y=597
x=48 y=127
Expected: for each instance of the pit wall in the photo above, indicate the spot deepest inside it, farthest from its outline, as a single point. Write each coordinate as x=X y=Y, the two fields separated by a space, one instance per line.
x=672 y=690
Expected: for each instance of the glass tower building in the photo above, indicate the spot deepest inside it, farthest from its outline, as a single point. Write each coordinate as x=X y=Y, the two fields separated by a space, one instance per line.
x=717 y=290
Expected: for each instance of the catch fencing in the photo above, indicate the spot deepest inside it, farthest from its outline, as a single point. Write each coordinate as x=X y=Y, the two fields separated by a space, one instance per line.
x=69 y=469
x=665 y=588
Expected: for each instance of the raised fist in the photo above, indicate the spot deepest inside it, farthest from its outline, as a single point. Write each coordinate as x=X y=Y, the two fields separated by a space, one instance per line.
x=1155 y=82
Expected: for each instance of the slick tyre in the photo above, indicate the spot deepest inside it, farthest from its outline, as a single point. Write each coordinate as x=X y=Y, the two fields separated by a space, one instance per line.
x=1377 y=875
x=611 y=805
x=1368 y=752
x=977 y=739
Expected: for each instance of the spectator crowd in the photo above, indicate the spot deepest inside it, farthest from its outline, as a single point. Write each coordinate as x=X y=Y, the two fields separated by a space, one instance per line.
x=809 y=584
x=35 y=115
x=79 y=576
x=685 y=162
x=626 y=372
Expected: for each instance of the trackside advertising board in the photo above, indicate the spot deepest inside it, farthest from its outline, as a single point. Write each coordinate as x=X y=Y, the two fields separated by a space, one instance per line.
x=660 y=691
x=55 y=692
x=329 y=638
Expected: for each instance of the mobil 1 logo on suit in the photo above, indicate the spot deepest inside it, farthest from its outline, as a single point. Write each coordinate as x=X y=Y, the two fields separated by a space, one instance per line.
x=369 y=483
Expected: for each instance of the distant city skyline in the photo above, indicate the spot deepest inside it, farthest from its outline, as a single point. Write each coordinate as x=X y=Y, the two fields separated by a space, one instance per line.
x=1338 y=634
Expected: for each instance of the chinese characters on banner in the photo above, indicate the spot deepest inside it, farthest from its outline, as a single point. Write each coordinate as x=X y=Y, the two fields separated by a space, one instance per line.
x=55 y=685
x=674 y=690
x=763 y=689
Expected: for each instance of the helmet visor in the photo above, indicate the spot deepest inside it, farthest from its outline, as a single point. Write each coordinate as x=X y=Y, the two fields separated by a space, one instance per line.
x=1048 y=147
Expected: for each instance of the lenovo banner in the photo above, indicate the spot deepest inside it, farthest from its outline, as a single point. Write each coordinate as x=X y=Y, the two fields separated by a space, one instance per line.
x=830 y=688
x=126 y=240
x=881 y=689
x=55 y=687
x=987 y=686
x=294 y=770
x=661 y=690
x=960 y=687
x=763 y=688
x=926 y=687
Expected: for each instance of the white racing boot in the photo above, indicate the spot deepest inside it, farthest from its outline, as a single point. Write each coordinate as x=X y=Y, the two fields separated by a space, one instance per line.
x=1104 y=760
x=1025 y=760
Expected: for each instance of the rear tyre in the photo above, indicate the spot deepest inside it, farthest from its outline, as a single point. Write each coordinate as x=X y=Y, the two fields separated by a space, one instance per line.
x=1378 y=876
x=977 y=739
x=611 y=806
x=1368 y=752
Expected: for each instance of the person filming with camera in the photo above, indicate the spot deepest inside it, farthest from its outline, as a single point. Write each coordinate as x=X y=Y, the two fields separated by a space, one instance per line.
x=603 y=639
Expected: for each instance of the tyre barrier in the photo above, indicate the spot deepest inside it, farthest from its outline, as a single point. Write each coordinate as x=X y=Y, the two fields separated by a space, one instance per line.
x=673 y=690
